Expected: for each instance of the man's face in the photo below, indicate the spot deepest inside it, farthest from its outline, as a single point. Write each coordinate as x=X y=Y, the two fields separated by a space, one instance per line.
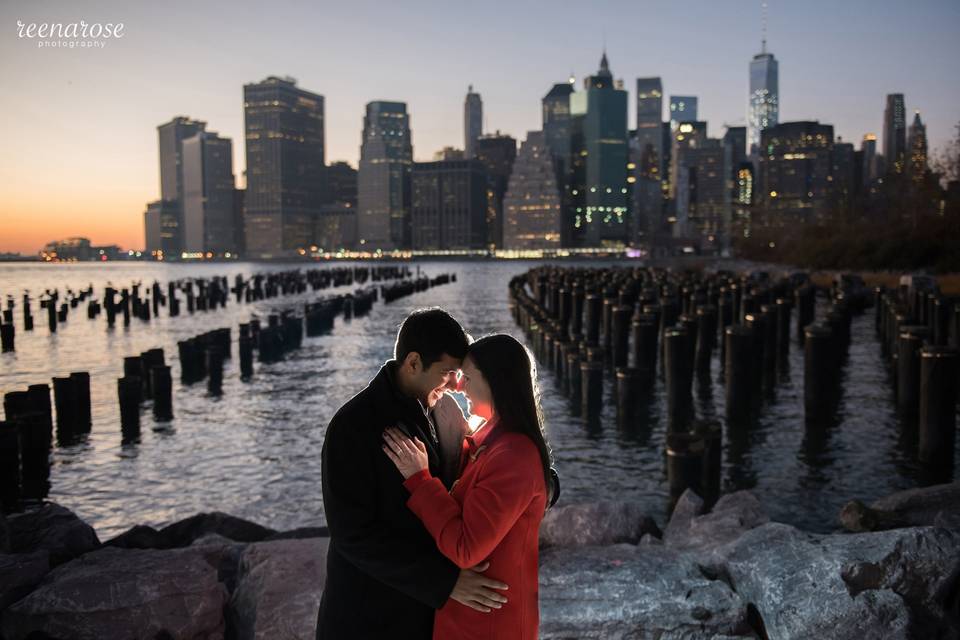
x=437 y=378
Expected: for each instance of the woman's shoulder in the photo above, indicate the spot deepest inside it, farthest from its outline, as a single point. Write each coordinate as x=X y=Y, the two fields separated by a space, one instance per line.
x=512 y=444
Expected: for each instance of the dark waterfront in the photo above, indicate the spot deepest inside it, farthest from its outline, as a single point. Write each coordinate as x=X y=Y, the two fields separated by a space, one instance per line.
x=254 y=452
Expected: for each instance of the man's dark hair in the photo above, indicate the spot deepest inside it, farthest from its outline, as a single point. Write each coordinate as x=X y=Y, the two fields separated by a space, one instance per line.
x=431 y=333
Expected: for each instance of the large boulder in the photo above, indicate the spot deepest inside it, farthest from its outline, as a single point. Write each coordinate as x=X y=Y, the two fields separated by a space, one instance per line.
x=184 y=532
x=279 y=588
x=125 y=593
x=139 y=536
x=922 y=506
x=299 y=533
x=896 y=584
x=20 y=573
x=732 y=516
x=54 y=529
x=595 y=523
x=638 y=592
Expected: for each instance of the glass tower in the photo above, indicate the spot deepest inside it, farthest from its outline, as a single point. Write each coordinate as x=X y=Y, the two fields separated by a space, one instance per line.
x=383 y=191
x=895 y=133
x=764 y=108
x=285 y=166
x=208 y=194
x=472 y=122
x=598 y=183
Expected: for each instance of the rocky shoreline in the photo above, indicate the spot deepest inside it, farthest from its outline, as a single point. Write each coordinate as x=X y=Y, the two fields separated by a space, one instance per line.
x=606 y=571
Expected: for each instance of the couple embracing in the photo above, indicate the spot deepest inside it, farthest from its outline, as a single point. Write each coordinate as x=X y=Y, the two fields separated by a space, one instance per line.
x=434 y=526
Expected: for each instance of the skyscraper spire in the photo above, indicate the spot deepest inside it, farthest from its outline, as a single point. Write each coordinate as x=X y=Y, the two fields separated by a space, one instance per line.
x=604 y=65
x=763 y=44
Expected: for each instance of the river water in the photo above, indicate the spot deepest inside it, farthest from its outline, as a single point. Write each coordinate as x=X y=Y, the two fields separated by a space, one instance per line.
x=254 y=452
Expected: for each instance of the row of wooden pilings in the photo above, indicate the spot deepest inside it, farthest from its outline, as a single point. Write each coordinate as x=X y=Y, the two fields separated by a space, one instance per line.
x=919 y=334
x=631 y=324
x=200 y=294
x=26 y=435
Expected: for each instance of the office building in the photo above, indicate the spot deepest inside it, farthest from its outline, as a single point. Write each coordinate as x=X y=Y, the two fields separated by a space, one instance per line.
x=284 y=127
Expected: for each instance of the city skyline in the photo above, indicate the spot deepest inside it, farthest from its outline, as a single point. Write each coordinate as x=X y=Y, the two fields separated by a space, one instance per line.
x=77 y=101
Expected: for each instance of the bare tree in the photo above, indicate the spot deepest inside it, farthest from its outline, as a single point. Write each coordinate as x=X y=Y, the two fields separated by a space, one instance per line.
x=947 y=161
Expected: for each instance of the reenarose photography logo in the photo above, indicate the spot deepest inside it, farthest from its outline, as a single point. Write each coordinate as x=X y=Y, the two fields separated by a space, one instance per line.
x=71 y=35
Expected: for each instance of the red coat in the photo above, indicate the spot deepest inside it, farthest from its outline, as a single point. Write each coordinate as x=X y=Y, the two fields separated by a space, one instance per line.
x=493 y=512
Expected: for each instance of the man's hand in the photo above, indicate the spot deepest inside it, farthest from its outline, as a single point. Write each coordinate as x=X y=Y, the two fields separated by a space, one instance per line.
x=476 y=591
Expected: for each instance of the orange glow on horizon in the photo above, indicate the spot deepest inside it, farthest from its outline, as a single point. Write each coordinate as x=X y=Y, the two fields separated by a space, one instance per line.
x=29 y=224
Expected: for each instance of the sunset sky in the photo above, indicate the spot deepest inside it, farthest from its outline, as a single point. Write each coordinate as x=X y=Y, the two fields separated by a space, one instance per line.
x=79 y=151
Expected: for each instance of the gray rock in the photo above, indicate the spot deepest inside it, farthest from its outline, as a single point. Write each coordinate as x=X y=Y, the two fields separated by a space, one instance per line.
x=139 y=536
x=633 y=592
x=910 y=508
x=125 y=593
x=732 y=516
x=279 y=589
x=215 y=539
x=595 y=523
x=878 y=585
x=688 y=507
x=51 y=528
x=184 y=532
x=300 y=532
x=20 y=573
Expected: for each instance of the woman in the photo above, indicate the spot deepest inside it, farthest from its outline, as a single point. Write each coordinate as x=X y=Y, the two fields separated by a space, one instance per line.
x=493 y=511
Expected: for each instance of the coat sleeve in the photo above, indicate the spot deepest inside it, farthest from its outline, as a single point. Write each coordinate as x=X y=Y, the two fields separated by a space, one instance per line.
x=510 y=478
x=370 y=544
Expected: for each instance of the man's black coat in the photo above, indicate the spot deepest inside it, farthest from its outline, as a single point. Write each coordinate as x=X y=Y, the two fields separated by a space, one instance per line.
x=385 y=576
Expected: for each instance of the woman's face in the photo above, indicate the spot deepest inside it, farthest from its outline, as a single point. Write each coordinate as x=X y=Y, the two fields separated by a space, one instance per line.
x=477 y=390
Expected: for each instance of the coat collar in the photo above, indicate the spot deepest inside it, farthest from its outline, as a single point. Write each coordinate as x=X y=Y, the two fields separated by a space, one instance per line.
x=482 y=438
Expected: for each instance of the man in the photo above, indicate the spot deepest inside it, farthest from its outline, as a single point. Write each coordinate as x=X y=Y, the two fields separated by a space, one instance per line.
x=385 y=575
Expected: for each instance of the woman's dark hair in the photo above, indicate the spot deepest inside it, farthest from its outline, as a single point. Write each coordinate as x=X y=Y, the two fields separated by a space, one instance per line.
x=510 y=373
x=431 y=333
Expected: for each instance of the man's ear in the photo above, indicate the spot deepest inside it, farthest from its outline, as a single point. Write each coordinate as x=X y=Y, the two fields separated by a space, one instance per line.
x=413 y=361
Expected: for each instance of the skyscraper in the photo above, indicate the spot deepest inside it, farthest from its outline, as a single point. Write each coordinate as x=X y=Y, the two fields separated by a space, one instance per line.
x=557 y=137
x=740 y=179
x=843 y=176
x=497 y=153
x=556 y=122
x=171 y=136
x=532 y=204
x=917 y=150
x=895 y=133
x=285 y=166
x=703 y=194
x=682 y=109
x=869 y=148
x=764 y=109
x=795 y=171
x=472 y=122
x=688 y=134
x=448 y=205
x=600 y=199
x=208 y=195
x=342 y=183
x=383 y=193
x=648 y=158
x=162 y=229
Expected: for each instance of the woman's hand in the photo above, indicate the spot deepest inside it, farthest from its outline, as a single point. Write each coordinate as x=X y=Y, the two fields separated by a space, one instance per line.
x=410 y=456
